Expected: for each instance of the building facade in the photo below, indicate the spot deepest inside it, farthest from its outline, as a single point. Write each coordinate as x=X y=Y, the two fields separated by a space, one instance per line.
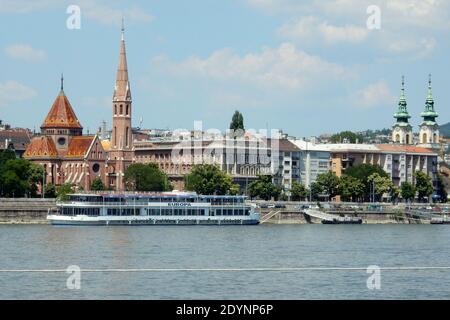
x=66 y=155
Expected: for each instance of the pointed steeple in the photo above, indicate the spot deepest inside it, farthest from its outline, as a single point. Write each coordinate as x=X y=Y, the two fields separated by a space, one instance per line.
x=61 y=114
x=62 y=84
x=402 y=114
x=429 y=114
x=122 y=87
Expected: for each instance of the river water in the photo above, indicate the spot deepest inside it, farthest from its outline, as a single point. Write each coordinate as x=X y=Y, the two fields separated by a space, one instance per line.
x=232 y=252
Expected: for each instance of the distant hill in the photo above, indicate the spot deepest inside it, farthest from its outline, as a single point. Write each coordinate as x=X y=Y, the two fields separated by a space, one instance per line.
x=445 y=130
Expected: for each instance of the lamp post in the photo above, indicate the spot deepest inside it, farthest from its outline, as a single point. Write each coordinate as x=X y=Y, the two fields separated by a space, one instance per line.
x=43 y=184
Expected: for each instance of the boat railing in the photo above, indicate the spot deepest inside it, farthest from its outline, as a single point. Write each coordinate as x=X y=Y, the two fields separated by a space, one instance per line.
x=145 y=203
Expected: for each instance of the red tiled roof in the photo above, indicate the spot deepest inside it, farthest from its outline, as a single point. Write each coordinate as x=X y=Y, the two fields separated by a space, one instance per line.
x=79 y=146
x=403 y=148
x=61 y=115
x=42 y=147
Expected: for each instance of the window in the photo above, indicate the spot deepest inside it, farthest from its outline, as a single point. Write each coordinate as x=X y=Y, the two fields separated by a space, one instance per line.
x=121 y=109
x=62 y=141
x=96 y=167
x=128 y=108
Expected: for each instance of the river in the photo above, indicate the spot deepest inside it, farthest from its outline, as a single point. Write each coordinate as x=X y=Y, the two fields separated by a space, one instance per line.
x=215 y=262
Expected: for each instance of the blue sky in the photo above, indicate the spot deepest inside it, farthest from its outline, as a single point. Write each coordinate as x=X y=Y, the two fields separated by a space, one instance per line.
x=307 y=67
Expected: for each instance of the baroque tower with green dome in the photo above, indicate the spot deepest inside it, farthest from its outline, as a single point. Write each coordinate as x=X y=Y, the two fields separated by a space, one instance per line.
x=402 y=130
x=429 y=129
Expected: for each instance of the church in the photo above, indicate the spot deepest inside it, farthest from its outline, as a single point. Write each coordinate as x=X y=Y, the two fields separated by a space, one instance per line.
x=68 y=156
x=402 y=131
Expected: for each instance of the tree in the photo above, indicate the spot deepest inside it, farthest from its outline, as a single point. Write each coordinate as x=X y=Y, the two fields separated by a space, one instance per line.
x=14 y=175
x=362 y=172
x=63 y=191
x=146 y=177
x=395 y=193
x=50 y=191
x=424 y=186
x=350 y=188
x=329 y=183
x=298 y=191
x=237 y=122
x=382 y=184
x=208 y=179
x=264 y=188
x=315 y=189
x=351 y=137
x=408 y=191
x=97 y=185
x=441 y=189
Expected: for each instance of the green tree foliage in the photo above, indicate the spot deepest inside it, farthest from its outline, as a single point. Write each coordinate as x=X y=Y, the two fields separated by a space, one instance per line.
x=395 y=193
x=298 y=191
x=329 y=182
x=97 y=185
x=208 y=179
x=264 y=188
x=315 y=190
x=350 y=188
x=382 y=184
x=408 y=191
x=63 y=191
x=50 y=191
x=237 y=122
x=362 y=172
x=146 y=177
x=347 y=135
x=18 y=177
x=441 y=189
x=424 y=185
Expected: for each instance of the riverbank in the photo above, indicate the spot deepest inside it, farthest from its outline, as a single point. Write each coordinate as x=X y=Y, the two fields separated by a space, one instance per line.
x=34 y=211
x=25 y=210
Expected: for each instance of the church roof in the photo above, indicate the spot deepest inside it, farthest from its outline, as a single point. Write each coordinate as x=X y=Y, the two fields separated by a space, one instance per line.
x=122 y=91
x=41 y=147
x=61 y=115
x=79 y=146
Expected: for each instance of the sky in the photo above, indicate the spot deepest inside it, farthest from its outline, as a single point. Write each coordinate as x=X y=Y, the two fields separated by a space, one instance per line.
x=305 y=67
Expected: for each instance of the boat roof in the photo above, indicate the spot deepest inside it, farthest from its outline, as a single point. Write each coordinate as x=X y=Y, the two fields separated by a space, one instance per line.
x=156 y=195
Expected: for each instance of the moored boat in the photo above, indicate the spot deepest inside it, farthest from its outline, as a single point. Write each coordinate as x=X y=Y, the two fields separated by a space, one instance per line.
x=167 y=208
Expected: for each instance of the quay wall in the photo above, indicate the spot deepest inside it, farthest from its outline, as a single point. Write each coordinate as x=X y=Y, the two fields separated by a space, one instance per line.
x=25 y=210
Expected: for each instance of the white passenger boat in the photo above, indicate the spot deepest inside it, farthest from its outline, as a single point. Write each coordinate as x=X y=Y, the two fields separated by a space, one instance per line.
x=167 y=208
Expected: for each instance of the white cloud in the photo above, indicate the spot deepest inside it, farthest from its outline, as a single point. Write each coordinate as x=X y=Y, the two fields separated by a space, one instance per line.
x=312 y=28
x=105 y=14
x=25 y=6
x=283 y=67
x=101 y=11
x=25 y=52
x=375 y=94
x=12 y=91
x=419 y=47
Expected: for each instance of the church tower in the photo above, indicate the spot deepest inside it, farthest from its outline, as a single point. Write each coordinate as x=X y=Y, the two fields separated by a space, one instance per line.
x=121 y=150
x=429 y=129
x=402 y=130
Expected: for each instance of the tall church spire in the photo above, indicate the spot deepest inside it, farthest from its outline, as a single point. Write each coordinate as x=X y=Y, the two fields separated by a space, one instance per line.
x=429 y=114
x=122 y=88
x=429 y=129
x=402 y=114
x=402 y=130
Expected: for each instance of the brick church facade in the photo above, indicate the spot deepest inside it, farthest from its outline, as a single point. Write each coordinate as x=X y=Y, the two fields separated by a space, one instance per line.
x=68 y=156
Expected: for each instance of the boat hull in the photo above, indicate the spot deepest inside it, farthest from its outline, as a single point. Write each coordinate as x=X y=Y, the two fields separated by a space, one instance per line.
x=132 y=221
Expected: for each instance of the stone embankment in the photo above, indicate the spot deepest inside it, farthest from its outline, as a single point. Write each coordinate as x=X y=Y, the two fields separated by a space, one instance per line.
x=25 y=210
